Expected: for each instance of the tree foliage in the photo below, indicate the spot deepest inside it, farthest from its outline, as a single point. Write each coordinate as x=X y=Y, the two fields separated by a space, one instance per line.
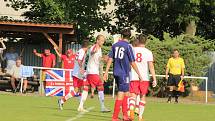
x=172 y=16
x=85 y=13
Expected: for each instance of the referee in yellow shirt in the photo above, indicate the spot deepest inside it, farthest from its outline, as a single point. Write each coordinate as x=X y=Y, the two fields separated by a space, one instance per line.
x=174 y=73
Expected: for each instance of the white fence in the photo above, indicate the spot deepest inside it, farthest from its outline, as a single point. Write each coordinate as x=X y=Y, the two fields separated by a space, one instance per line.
x=114 y=84
x=186 y=77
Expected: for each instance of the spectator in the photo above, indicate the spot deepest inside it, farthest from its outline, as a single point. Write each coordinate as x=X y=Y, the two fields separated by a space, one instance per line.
x=27 y=74
x=10 y=57
x=48 y=58
x=15 y=73
x=68 y=59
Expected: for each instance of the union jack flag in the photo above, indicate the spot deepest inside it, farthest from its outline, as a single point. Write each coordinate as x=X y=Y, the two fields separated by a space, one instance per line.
x=58 y=82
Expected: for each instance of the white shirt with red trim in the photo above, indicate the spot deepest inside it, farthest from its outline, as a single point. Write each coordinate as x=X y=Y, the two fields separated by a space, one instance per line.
x=142 y=57
x=94 y=60
x=80 y=55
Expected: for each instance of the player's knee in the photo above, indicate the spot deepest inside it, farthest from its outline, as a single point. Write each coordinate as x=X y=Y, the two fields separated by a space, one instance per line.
x=100 y=88
x=120 y=95
x=86 y=88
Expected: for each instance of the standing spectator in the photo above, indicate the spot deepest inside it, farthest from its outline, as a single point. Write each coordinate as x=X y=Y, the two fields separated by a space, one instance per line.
x=49 y=60
x=15 y=73
x=10 y=57
x=174 y=73
x=68 y=59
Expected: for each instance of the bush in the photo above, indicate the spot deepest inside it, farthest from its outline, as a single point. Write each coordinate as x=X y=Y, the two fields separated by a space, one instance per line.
x=194 y=51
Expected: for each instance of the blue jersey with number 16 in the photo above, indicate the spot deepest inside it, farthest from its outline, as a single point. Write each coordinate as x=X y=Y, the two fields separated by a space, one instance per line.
x=122 y=55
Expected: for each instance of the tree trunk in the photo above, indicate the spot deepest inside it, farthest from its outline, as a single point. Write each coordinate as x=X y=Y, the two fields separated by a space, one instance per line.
x=191 y=28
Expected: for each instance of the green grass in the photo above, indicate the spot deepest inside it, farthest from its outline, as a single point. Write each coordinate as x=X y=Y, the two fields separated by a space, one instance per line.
x=36 y=108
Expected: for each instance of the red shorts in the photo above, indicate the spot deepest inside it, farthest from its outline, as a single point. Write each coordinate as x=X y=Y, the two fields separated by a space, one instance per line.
x=77 y=83
x=139 y=87
x=94 y=80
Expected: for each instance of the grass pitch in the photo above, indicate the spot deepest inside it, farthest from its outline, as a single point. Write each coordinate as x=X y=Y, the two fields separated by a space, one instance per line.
x=37 y=108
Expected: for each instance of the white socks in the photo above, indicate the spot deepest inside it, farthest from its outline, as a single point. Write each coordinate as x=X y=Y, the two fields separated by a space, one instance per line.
x=101 y=98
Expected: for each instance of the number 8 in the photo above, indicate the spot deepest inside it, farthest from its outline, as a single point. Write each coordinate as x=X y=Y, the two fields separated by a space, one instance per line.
x=139 y=57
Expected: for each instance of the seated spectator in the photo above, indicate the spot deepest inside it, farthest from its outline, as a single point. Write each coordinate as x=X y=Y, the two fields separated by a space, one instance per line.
x=19 y=71
x=27 y=74
x=10 y=58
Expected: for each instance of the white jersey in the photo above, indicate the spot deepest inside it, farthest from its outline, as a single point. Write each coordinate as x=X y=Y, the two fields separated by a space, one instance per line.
x=142 y=57
x=94 y=61
x=80 y=55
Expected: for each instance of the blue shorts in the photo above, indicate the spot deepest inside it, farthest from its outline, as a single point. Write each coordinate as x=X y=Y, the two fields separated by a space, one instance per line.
x=122 y=83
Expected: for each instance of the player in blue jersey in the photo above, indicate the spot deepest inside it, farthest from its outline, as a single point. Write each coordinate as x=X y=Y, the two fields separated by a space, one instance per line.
x=122 y=56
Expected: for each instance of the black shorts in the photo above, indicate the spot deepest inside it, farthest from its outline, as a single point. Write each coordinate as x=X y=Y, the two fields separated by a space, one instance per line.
x=173 y=80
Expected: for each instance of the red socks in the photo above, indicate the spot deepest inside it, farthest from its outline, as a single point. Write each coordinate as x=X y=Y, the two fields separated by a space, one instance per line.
x=118 y=104
x=125 y=106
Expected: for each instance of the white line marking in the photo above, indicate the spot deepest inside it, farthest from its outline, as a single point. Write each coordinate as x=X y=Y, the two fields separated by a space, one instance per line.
x=81 y=114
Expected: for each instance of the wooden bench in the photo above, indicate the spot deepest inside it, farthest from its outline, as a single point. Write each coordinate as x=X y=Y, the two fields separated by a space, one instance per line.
x=33 y=85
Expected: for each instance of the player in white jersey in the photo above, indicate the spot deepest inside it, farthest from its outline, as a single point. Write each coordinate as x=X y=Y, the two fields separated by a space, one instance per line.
x=93 y=77
x=144 y=62
x=77 y=75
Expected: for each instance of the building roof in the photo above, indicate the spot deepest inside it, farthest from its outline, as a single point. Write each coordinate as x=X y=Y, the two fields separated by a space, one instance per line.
x=24 y=23
x=25 y=26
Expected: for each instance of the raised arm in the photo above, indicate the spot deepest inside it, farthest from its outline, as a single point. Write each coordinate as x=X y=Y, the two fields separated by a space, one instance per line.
x=36 y=53
x=3 y=45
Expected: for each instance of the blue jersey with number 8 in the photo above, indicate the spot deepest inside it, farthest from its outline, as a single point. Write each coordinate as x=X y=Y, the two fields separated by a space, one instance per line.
x=122 y=55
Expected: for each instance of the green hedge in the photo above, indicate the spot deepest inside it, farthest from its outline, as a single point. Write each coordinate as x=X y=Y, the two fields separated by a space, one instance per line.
x=194 y=51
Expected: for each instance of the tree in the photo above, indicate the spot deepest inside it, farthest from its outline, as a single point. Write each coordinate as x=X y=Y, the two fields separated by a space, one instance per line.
x=85 y=13
x=172 y=16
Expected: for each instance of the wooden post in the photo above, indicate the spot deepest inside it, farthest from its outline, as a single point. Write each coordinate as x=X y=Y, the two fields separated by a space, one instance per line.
x=60 y=44
x=50 y=39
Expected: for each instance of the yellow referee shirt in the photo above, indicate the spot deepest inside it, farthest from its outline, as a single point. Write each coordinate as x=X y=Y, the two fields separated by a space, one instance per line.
x=175 y=65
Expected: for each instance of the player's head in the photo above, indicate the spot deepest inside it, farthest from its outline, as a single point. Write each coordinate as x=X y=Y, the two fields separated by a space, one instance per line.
x=175 y=53
x=18 y=61
x=134 y=42
x=47 y=52
x=69 y=52
x=85 y=44
x=100 y=39
x=142 y=39
x=126 y=33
